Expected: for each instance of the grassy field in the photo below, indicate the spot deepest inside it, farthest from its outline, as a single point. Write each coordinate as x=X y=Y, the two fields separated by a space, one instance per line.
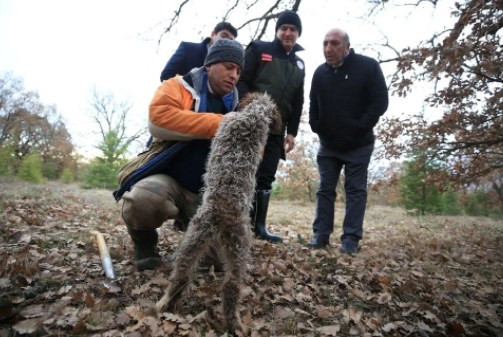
x=415 y=276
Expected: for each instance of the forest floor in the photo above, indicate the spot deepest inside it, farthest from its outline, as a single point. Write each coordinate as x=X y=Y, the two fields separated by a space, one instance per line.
x=414 y=276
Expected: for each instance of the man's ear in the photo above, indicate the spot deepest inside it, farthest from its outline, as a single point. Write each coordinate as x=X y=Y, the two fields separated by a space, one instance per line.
x=346 y=53
x=207 y=68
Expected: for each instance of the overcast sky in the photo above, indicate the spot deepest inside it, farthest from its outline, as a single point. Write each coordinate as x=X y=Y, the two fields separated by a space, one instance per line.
x=62 y=49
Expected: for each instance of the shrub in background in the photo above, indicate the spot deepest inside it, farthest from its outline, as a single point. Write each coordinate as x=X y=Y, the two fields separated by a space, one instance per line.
x=67 y=176
x=476 y=204
x=450 y=203
x=102 y=174
x=31 y=169
x=50 y=170
x=6 y=161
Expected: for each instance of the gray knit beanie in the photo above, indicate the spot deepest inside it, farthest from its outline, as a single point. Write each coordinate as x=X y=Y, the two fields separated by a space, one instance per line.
x=226 y=51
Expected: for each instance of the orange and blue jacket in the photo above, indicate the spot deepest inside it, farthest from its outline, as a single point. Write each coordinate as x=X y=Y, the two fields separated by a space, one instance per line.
x=175 y=111
x=177 y=114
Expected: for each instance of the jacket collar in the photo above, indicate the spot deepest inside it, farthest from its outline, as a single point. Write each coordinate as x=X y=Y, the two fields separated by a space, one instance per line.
x=196 y=82
x=347 y=59
x=206 y=42
x=351 y=55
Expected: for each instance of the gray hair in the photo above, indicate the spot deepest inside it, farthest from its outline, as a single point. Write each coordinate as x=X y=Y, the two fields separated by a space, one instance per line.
x=346 y=38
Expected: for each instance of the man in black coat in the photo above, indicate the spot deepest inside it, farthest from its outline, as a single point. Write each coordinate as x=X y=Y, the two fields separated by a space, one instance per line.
x=191 y=55
x=274 y=68
x=348 y=95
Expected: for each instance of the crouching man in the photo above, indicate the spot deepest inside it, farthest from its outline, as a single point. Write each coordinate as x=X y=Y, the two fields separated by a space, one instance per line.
x=183 y=117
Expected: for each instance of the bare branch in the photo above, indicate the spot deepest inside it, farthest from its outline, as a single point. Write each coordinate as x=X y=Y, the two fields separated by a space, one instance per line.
x=295 y=6
x=264 y=16
x=433 y=2
x=394 y=59
x=264 y=28
x=226 y=16
x=174 y=20
x=252 y=4
x=262 y=20
x=479 y=73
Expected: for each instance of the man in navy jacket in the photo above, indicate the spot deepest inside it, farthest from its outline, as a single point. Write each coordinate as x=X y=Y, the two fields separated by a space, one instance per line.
x=348 y=95
x=191 y=55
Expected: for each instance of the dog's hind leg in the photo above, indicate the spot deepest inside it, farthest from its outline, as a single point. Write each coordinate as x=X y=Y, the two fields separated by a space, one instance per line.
x=200 y=232
x=236 y=244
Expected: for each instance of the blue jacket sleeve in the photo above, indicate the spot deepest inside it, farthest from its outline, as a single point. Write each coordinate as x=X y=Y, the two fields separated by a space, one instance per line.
x=176 y=63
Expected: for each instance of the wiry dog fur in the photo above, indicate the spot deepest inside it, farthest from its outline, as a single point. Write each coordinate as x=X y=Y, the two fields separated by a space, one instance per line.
x=224 y=215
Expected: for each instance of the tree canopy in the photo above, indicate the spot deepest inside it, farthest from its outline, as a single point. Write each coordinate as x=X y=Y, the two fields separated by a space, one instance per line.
x=29 y=127
x=466 y=64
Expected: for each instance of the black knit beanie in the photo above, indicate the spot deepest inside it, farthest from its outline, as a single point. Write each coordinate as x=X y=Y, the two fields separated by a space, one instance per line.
x=289 y=17
x=226 y=51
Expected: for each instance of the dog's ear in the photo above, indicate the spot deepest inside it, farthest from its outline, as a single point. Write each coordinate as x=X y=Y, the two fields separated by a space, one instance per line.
x=246 y=100
x=276 y=123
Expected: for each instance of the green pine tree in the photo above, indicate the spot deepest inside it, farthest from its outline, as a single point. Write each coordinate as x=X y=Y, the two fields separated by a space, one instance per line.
x=416 y=193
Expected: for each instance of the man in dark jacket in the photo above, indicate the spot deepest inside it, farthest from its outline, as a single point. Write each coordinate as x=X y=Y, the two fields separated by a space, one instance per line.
x=348 y=95
x=274 y=67
x=191 y=55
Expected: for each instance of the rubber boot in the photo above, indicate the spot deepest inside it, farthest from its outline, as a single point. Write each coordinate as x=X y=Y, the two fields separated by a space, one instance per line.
x=146 y=254
x=259 y=215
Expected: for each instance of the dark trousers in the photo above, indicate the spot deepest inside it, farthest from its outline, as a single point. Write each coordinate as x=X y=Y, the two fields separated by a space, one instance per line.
x=273 y=152
x=330 y=164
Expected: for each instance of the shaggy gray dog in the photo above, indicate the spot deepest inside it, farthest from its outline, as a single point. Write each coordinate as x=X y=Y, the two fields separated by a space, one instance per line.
x=223 y=219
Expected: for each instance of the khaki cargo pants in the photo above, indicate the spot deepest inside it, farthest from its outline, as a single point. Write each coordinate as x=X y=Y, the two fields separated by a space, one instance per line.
x=155 y=199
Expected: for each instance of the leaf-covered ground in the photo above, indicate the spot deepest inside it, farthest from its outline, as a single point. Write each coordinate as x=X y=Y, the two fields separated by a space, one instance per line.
x=431 y=276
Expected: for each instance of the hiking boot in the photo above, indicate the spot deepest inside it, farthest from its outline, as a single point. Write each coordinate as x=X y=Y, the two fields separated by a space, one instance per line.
x=146 y=253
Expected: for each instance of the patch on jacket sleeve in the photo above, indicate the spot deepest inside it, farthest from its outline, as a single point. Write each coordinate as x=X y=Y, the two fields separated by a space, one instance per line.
x=266 y=57
x=300 y=64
